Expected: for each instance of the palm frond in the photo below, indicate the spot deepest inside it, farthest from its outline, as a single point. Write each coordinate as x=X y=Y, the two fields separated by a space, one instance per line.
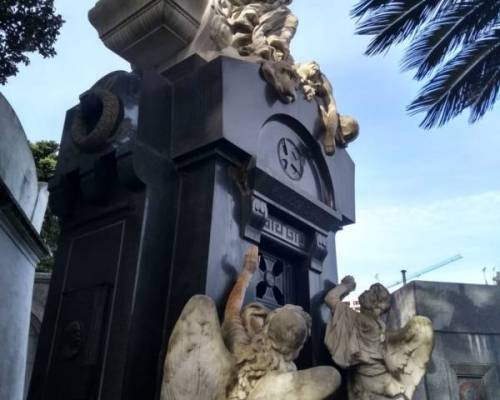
x=365 y=6
x=460 y=83
x=397 y=20
x=486 y=98
x=462 y=22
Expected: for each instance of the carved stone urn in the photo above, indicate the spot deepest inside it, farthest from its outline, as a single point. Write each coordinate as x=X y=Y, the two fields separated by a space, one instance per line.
x=148 y=33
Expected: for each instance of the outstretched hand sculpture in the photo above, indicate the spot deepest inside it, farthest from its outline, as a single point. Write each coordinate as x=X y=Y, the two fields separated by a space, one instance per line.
x=383 y=364
x=249 y=358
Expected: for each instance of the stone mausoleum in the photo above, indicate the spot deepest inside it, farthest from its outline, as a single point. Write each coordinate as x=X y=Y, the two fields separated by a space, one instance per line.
x=218 y=141
x=23 y=201
x=465 y=363
x=166 y=175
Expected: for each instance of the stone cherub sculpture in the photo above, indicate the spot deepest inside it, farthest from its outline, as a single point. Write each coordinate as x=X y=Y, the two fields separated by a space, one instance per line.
x=338 y=129
x=382 y=364
x=249 y=358
x=262 y=30
x=259 y=28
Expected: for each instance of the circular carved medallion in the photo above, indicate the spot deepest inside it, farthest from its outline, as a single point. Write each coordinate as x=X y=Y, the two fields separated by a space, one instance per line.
x=73 y=341
x=291 y=159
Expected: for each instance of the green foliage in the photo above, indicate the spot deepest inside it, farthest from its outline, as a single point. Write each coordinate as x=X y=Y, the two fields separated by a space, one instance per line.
x=26 y=26
x=453 y=43
x=50 y=235
x=45 y=154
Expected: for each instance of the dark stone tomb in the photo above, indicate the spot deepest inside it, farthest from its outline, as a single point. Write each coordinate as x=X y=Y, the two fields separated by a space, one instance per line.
x=162 y=185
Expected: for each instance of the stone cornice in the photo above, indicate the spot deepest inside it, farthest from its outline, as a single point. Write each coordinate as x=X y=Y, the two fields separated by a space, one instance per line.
x=147 y=32
x=18 y=226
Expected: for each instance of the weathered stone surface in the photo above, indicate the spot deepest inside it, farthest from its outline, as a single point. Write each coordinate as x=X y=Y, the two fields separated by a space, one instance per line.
x=339 y=130
x=40 y=294
x=258 y=363
x=159 y=34
x=262 y=31
x=383 y=364
x=148 y=33
x=21 y=205
x=17 y=168
x=466 y=322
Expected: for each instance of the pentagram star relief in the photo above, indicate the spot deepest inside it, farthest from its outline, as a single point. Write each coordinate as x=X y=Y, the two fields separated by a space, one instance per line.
x=291 y=160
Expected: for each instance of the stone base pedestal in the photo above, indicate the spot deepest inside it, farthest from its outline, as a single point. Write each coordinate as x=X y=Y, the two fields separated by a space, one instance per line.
x=147 y=33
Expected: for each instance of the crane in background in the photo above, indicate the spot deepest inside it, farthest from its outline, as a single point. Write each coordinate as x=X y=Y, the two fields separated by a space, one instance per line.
x=425 y=270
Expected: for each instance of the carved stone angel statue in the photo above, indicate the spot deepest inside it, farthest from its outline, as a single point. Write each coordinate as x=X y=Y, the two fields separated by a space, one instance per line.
x=249 y=357
x=340 y=130
x=382 y=364
x=262 y=30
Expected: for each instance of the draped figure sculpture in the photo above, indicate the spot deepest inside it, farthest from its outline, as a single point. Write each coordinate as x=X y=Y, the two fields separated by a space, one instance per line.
x=382 y=364
x=339 y=130
x=262 y=30
x=249 y=358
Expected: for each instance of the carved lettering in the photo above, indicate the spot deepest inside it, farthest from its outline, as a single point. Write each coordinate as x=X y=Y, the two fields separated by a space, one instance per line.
x=285 y=232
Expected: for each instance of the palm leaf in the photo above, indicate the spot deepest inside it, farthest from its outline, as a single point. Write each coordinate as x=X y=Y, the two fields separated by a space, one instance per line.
x=487 y=97
x=463 y=22
x=460 y=83
x=396 y=21
x=365 y=6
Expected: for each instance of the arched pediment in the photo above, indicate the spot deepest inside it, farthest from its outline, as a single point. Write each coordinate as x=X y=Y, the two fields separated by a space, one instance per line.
x=289 y=153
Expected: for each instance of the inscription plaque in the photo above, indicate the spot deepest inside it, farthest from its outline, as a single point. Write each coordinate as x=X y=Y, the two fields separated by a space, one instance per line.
x=285 y=232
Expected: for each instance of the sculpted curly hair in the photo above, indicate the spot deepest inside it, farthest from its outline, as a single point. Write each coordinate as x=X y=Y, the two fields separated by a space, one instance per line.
x=376 y=296
x=283 y=334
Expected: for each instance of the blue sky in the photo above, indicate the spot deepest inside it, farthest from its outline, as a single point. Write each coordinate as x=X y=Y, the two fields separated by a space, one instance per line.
x=422 y=196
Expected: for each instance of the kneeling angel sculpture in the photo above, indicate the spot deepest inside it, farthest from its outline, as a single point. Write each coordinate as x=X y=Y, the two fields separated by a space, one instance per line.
x=249 y=358
x=382 y=364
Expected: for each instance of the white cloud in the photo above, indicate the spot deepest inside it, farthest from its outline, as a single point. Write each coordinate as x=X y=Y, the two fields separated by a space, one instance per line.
x=387 y=239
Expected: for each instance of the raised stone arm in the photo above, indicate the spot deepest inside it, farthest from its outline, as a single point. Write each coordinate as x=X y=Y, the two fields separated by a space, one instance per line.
x=339 y=292
x=382 y=364
x=251 y=358
x=237 y=295
x=233 y=330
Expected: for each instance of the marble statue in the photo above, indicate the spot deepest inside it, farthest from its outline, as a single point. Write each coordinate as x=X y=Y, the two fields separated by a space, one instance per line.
x=382 y=364
x=262 y=30
x=255 y=28
x=339 y=129
x=249 y=357
x=161 y=33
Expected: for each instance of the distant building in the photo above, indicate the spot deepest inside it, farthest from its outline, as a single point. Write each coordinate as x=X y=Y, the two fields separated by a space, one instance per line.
x=23 y=201
x=353 y=305
x=466 y=320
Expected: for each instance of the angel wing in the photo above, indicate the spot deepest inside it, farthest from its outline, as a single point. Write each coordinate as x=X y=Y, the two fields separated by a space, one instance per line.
x=198 y=366
x=316 y=383
x=408 y=352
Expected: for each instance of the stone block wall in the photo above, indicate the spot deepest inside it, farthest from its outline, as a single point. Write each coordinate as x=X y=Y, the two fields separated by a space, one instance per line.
x=466 y=320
